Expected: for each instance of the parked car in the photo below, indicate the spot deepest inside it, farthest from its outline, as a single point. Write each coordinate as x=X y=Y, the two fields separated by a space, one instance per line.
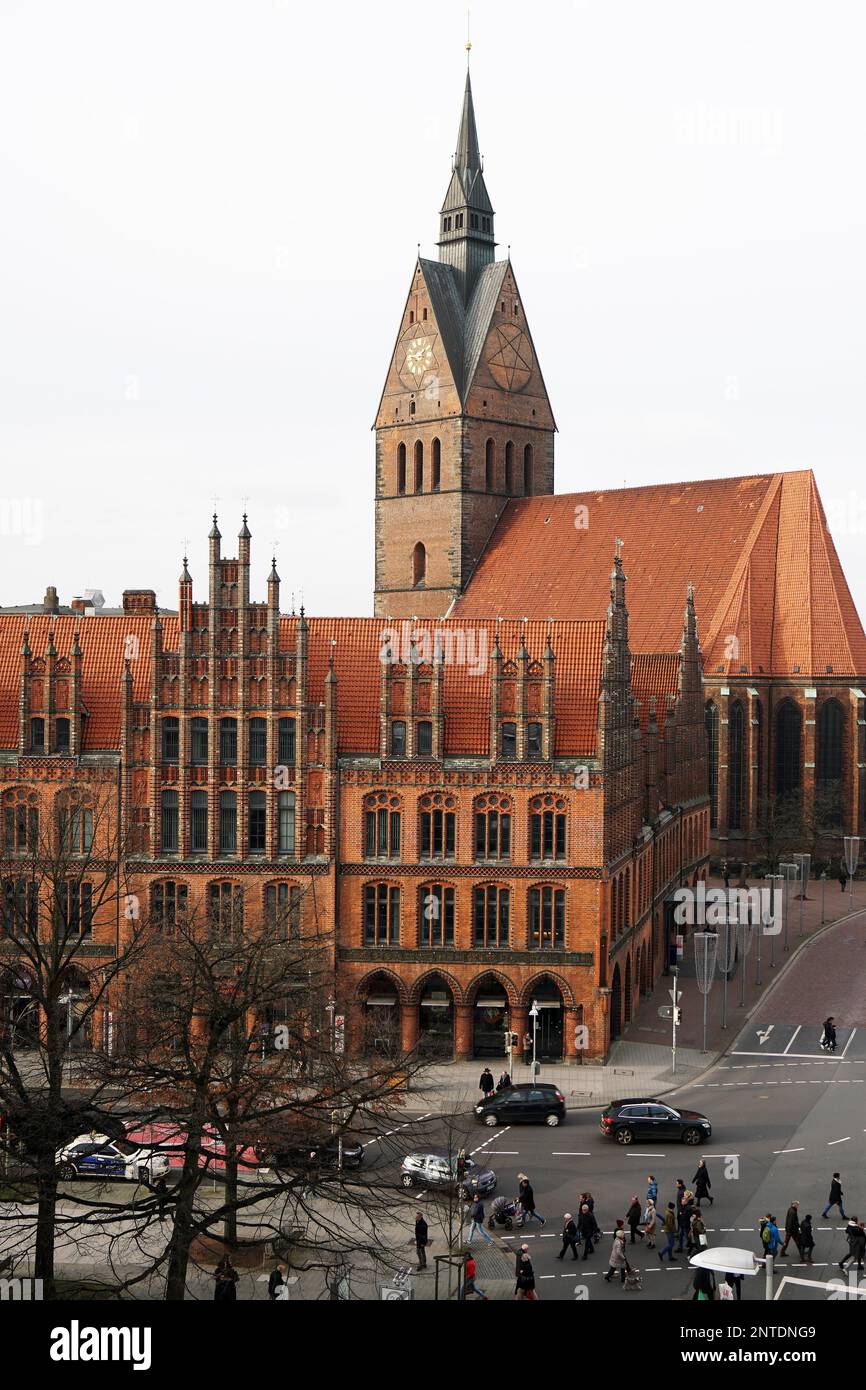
x=97 y=1156
x=439 y=1171
x=626 y=1120
x=323 y=1152
x=533 y=1102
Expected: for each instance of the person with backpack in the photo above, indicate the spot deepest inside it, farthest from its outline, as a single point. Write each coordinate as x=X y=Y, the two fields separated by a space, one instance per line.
x=652 y=1190
x=633 y=1216
x=835 y=1198
x=770 y=1238
x=792 y=1229
x=807 y=1240
x=669 y=1229
x=702 y=1184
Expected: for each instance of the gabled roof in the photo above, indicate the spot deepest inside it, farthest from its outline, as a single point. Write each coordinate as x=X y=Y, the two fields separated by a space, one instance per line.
x=769 y=589
x=448 y=312
x=479 y=312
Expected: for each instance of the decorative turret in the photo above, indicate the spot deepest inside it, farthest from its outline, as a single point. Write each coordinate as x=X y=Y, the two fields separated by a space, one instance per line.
x=466 y=239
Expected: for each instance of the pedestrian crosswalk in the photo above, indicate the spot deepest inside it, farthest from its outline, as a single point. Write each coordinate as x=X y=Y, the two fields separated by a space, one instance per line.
x=800 y=1041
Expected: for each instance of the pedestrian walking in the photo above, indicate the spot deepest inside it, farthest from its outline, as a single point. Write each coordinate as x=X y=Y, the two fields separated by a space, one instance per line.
x=828 y=1036
x=527 y=1049
x=792 y=1229
x=526 y=1197
x=697 y=1233
x=524 y=1250
x=470 y=1288
x=587 y=1229
x=770 y=1238
x=669 y=1230
x=633 y=1216
x=525 y=1287
x=650 y=1221
x=569 y=1237
x=504 y=1082
x=652 y=1190
x=486 y=1084
x=835 y=1198
x=807 y=1240
x=161 y=1192
x=726 y=874
x=702 y=1184
x=704 y=1286
x=843 y=876
x=276 y=1282
x=225 y=1281
x=735 y=1282
x=477 y=1222
x=618 y=1262
x=856 y=1237
x=461 y=1165
x=421 y=1239
x=684 y=1218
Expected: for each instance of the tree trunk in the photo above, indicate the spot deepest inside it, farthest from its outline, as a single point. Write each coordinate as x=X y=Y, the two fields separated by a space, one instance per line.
x=46 y=1186
x=182 y=1226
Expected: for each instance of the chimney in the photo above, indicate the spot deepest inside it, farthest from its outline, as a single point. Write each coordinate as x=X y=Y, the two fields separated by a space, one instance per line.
x=139 y=601
x=78 y=605
x=50 y=603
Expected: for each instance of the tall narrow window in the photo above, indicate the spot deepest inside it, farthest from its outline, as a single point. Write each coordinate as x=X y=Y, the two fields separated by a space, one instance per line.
x=283 y=907
x=831 y=724
x=257 y=820
x=198 y=822
x=509 y=467
x=286 y=739
x=711 y=725
x=759 y=754
x=170 y=739
x=228 y=823
x=37 y=735
x=438 y=827
x=258 y=742
x=491 y=907
x=436 y=467
x=401 y=469
x=199 y=742
x=228 y=742
x=381 y=826
x=736 y=765
x=533 y=740
x=492 y=827
x=424 y=747
x=398 y=738
x=286 y=823
x=489 y=465
x=419 y=565
x=419 y=466
x=381 y=915
x=435 y=915
x=509 y=742
x=63 y=735
x=226 y=908
x=168 y=904
x=788 y=737
x=169 y=822
x=546 y=918
x=527 y=470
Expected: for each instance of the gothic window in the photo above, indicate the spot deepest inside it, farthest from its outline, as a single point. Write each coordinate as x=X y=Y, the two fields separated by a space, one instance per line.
x=527 y=468
x=533 y=740
x=286 y=742
x=76 y=828
x=736 y=765
x=257 y=822
x=546 y=918
x=788 y=735
x=74 y=905
x=381 y=915
x=199 y=742
x=711 y=725
x=19 y=906
x=435 y=915
x=831 y=725
x=491 y=909
x=258 y=742
x=438 y=826
x=398 y=738
x=493 y=827
x=168 y=904
x=286 y=823
x=225 y=905
x=63 y=735
x=759 y=750
x=401 y=469
x=424 y=741
x=37 y=735
x=436 y=477
x=228 y=823
x=198 y=822
x=228 y=742
x=424 y=313
x=20 y=822
x=419 y=467
x=547 y=826
x=168 y=831
x=381 y=826
x=508 y=736
x=419 y=565
x=489 y=465
x=283 y=907
x=170 y=739
x=509 y=467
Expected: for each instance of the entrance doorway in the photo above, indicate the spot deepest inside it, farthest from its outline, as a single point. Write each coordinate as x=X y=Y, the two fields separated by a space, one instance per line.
x=382 y=1018
x=549 y=1027
x=436 y=1019
x=490 y=1020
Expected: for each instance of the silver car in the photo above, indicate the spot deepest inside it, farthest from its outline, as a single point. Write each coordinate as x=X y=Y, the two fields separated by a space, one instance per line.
x=439 y=1170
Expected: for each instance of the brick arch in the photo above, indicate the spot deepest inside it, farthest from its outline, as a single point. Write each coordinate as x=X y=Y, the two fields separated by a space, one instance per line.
x=508 y=985
x=417 y=987
x=562 y=985
x=363 y=986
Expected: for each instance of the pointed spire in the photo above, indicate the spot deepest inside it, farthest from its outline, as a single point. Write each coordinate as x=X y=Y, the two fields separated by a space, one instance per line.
x=273 y=575
x=466 y=222
x=215 y=530
x=76 y=645
x=467 y=159
x=244 y=532
x=185 y=577
x=52 y=650
x=25 y=645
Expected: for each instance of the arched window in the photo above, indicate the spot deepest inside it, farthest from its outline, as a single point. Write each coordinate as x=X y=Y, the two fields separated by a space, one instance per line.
x=547 y=827
x=491 y=909
x=759 y=752
x=419 y=467
x=435 y=915
x=225 y=903
x=509 y=467
x=436 y=467
x=283 y=907
x=381 y=826
x=711 y=724
x=546 y=918
x=20 y=821
x=489 y=465
x=788 y=763
x=527 y=470
x=381 y=915
x=736 y=765
x=493 y=827
x=168 y=904
x=401 y=469
x=831 y=726
x=437 y=826
x=419 y=565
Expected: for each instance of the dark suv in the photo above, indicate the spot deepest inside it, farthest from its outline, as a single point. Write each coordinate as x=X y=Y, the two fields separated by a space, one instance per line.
x=626 y=1120
x=532 y=1102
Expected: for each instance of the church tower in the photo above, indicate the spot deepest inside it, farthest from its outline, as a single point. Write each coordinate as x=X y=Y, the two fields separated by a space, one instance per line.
x=464 y=422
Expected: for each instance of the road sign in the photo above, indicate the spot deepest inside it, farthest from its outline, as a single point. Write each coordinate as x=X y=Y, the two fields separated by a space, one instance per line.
x=675 y=994
x=666 y=1011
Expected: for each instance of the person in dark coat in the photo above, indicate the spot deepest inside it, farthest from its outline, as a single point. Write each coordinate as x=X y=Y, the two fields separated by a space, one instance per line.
x=569 y=1237
x=524 y=1250
x=703 y=1283
x=421 y=1234
x=225 y=1281
x=835 y=1198
x=828 y=1037
x=736 y=1283
x=807 y=1240
x=633 y=1216
x=504 y=1082
x=525 y=1286
x=856 y=1237
x=792 y=1229
x=702 y=1184
x=843 y=877
x=276 y=1281
x=486 y=1084
x=526 y=1198
x=587 y=1229
x=684 y=1219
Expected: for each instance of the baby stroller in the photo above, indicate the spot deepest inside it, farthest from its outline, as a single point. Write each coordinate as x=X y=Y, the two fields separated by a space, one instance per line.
x=504 y=1212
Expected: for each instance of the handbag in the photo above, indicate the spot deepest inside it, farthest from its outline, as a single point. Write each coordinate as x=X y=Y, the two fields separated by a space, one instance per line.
x=725 y=1292
x=702 y=1238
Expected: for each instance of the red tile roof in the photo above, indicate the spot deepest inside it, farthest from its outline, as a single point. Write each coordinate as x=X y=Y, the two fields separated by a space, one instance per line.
x=757 y=549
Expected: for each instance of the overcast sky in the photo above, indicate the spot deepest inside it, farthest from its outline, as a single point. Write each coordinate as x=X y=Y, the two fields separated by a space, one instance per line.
x=210 y=215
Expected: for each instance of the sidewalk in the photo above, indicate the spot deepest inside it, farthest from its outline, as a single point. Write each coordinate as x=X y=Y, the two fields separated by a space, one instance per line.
x=639 y=1063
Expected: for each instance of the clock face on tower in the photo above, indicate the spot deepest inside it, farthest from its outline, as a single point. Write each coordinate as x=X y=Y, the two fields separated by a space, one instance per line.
x=419 y=356
x=510 y=358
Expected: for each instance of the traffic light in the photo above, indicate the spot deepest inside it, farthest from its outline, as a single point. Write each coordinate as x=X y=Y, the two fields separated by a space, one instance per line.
x=678 y=1017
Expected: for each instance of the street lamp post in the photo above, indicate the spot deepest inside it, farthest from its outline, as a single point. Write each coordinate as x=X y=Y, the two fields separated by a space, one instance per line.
x=823 y=890
x=804 y=869
x=852 y=856
x=533 y=1014
x=706 y=948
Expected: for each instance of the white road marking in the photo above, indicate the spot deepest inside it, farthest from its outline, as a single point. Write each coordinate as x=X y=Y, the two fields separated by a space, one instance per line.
x=831 y=1142
x=570 y=1153
x=848 y=1044
x=631 y=1155
x=788 y=1048
x=789 y=1151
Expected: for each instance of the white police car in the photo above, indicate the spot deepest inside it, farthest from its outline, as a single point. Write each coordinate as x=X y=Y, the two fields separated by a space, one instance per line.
x=97 y=1156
